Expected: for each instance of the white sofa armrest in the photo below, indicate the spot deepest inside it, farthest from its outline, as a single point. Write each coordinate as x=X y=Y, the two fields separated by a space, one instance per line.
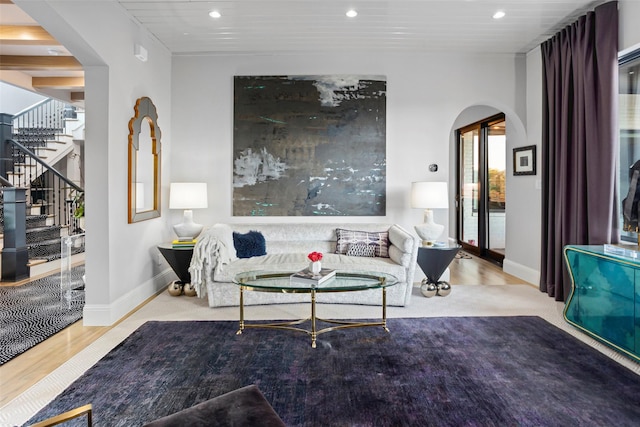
x=404 y=251
x=403 y=245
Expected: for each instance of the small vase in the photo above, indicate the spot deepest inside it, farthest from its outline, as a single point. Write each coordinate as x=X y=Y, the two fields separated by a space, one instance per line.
x=315 y=267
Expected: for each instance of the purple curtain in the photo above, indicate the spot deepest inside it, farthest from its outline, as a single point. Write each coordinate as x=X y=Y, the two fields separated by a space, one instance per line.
x=579 y=141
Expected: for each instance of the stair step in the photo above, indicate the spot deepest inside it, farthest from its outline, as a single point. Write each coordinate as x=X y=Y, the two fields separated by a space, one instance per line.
x=43 y=234
x=34 y=239
x=41 y=228
x=34 y=221
x=36 y=261
x=49 y=250
x=36 y=217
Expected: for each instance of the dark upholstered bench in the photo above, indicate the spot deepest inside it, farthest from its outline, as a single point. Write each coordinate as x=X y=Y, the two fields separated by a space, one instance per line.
x=245 y=406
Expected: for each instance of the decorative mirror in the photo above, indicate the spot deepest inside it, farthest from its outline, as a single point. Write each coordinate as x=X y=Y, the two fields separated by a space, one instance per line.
x=144 y=162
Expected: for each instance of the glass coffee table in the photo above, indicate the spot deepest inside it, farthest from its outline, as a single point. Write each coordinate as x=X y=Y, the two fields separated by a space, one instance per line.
x=264 y=281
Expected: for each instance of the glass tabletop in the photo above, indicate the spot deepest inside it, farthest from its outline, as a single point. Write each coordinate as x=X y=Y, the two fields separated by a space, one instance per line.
x=443 y=245
x=269 y=281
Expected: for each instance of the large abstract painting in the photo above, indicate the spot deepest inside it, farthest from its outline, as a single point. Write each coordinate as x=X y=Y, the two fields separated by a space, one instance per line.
x=309 y=146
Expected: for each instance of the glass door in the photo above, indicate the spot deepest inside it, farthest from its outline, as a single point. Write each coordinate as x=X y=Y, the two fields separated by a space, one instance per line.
x=469 y=191
x=497 y=174
x=481 y=189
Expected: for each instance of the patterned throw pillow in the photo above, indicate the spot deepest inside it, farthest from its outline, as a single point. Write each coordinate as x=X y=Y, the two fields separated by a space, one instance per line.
x=362 y=250
x=378 y=239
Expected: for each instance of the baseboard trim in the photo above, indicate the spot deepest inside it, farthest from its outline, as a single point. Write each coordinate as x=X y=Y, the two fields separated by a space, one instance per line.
x=521 y=271
x=108 y=314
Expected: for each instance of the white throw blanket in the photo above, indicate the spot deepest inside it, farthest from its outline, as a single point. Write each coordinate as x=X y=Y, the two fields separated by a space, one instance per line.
x=210 y=254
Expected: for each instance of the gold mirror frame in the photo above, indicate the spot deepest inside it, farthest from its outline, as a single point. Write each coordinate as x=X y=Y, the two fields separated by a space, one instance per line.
x=145 y=112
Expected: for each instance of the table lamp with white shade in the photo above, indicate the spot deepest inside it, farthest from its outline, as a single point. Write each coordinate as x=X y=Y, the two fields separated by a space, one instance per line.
x=429 y=196
x=188 y=196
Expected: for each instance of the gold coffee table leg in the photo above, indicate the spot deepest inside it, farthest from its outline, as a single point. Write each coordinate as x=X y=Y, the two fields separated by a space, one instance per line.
x=313 y=319
x=241 y=311
x=384 y=309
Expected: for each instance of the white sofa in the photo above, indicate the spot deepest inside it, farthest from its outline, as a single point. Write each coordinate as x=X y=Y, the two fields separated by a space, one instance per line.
x=287 y=246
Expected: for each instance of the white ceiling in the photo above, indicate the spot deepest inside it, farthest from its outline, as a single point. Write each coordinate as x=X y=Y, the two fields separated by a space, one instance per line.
x=249 y=26
x=312 y=26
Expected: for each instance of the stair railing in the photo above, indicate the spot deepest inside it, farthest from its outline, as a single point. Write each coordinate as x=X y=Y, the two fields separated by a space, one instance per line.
x=49 y=191
x=23 y=163
x=47 y=116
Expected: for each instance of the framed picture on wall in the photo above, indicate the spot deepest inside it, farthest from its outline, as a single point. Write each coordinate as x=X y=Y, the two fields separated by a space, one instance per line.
x=309 y=145
x=524 y=160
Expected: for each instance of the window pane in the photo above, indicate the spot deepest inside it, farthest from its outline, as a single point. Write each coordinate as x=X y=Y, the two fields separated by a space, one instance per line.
x=629 y=122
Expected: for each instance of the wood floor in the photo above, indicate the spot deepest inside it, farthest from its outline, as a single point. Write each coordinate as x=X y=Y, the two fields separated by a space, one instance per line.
x=17 y=375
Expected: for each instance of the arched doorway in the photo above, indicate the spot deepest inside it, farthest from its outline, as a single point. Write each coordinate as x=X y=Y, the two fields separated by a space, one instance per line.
x=508 y=207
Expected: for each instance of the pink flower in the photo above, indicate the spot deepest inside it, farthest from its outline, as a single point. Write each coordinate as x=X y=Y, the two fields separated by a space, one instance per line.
x=315 y=256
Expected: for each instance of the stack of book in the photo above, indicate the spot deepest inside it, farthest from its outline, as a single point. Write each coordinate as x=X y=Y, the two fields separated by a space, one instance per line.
x=306 y=276
x=183 y=243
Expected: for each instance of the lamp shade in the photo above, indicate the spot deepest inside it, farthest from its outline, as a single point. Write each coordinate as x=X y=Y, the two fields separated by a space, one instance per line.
x=429 y=195
x=188 y=195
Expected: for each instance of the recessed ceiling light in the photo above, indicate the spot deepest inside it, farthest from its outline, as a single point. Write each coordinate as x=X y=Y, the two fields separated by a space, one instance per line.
x=351 y=13
x=499 y=14
x=215 y=14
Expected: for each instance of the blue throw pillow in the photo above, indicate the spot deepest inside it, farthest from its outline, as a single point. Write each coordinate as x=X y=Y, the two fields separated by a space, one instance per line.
x=249 y=244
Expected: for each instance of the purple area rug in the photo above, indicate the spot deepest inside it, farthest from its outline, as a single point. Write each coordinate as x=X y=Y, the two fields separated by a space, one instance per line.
x=470 y=371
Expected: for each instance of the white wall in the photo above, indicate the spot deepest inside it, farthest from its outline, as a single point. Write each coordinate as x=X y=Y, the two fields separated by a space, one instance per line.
x=425 y=95
x=629 y=13
x=122 y=266
x=524 y=192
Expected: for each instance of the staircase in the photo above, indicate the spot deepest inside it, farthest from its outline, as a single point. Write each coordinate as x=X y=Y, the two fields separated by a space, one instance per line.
x=46 y=153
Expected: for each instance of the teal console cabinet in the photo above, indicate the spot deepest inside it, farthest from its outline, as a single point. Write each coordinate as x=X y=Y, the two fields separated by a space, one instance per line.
x=605 y=297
